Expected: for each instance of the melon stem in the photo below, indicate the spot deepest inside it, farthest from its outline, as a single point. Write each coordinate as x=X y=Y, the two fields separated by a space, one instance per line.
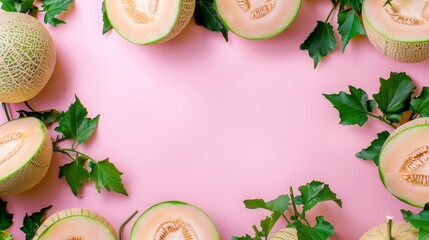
x=121 y=228
x=6 y=111
x=389 y=229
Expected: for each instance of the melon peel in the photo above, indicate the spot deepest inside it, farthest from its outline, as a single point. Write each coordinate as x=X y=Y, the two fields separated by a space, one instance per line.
x=27 y=57
x=400 y=231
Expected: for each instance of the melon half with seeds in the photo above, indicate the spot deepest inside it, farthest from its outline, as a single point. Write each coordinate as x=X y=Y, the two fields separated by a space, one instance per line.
x=174 y=220
x=25 y=154
x=75 y=224
x=400 y=29
x=149 y=21
x=404 y=162
x=257 y=19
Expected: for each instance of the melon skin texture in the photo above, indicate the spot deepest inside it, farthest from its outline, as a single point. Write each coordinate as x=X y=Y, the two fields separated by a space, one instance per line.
x=398 y=41
x=146 y=22
x=174 y=220
x=27 y=57
x=255 y=19
x=400 y=231
x=285 y=234
x=76 y=223
x=25 y=154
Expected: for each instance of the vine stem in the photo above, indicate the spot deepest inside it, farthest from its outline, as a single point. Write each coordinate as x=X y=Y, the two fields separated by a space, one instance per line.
x=332 y=11
x=287 y=220
x=381 y=119
x=29 y=107
x=66 y=151
x=6 y=111
x=121 y=228
x=295 y=211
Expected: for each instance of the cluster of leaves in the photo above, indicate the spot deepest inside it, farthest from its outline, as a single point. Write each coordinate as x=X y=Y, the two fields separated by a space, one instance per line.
x=29 y=226
x=51 y=8
x=312 y=194
x=74 y=125
x=419 y=220
x=394 y=100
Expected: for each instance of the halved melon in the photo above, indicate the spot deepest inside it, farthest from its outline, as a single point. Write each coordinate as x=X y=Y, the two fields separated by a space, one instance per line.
x=174 y=220
x=25 y=154
x=285 y=234
x=149 y=21
x=400 y=231
x=75 y=224
x=400 y=29
x=404 y=162
x=257 y=19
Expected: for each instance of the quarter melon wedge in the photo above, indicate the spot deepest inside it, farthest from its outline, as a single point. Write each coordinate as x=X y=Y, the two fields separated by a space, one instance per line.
x=75 y=224
x=25 y=154
x=400 y=231
x=174 y=220
x=257 y=19
x=400 y=29
x=404 y=162
x=149 y=21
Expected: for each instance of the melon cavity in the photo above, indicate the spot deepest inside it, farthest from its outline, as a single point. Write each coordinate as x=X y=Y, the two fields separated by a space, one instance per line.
x=25 y=154
x=149 y=21
x=256 y=19
x=174 y=220
x=400 y=30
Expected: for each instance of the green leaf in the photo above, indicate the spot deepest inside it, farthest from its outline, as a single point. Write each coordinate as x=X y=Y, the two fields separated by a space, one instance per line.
x=76 y=174
x=47 y=117
x=5 y=236
x=316 y=192
x=5 y=216
x=354 y=4
x=54 y=8
x=322 y=231
x=246 y=237
x=104 y=174
x=373 y=151
x=279 y=205
x=10 y=5
x=206 y=15
x=268 y=223
x=107 y=26
x=349 y=26
x=419 y=221
x=320 y=42
x=420 y=104
x=353 y=107
x=32 y=223
x=394 y=95
x=74 y=123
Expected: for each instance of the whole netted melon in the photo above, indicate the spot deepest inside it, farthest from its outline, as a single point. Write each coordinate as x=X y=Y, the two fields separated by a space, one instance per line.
x=27 y=57
x=400 y=231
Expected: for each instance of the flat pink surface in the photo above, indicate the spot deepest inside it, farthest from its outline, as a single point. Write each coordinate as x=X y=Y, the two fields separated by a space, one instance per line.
x=214 y=123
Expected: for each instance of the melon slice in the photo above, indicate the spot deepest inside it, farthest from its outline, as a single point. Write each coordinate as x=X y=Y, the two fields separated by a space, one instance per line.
x=149 y=21
x=25 y=154
x=257 y=19
x=404 y=162
x=27 y=57
x=400 y=29
x=285 y=234
x=75 y=224
x=174 y=220
x=400 y=231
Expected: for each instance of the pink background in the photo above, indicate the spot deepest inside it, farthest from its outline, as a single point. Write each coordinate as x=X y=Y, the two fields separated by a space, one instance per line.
x=214 y=123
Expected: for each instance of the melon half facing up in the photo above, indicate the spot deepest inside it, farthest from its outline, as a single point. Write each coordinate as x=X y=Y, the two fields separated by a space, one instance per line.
x=75 y=224
x=400 y=29
x=174 y=220
x=25 y=154
x=257 y=19
x=149 y=21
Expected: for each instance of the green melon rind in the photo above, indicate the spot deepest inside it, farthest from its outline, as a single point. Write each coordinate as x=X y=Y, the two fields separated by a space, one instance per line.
x=282 y=29
x=50 y=222
x=400 y=50
x=173 y=31
x=29 y=174
x=172 y=203
x=420 y=122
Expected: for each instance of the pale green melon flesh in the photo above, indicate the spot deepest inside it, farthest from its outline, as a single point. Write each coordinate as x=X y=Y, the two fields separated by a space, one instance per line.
x=73 y=224
x=149 y=21
x=257 y=19
x=174 y=221
x=25 y=154
x=27 y=57
x=400 y=231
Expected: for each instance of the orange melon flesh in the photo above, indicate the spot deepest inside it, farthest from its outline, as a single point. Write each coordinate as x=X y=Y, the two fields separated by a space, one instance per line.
x=407 y=177
x=149 y=21
x=257 y=19
x=174 y=221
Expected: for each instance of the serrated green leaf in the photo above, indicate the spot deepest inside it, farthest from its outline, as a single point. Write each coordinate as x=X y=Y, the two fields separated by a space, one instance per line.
x=104 y=174
x=54 y=8
x=321 y=231
x=246 y=237
x=316 y=192
x=354 y=4
x=420 y=104
x=320 y=42
x=419 y=221
x=353 y=107
x=10 y=5
x=5 y=216
x=32 y=223
x=76 y=174
x=279 y=205
x=107 y=26
x=206 y=15
x=349 y=26
x=5 y=235
x=268 y=223
x=47 y=117
x=373 y=151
